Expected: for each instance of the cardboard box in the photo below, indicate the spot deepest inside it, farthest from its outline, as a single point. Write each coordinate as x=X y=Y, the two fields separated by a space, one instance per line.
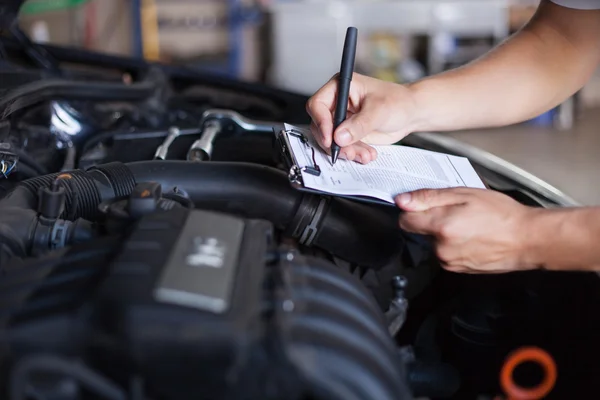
x=100 y=25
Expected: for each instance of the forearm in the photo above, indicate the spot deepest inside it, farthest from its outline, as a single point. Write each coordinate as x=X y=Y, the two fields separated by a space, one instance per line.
x=565 y=239
x=533 y=71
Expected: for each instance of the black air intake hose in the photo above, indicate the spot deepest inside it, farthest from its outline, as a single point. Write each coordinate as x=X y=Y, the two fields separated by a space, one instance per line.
x=250 y=190
x=84 y=190
x=24 y=232
x=357 y=232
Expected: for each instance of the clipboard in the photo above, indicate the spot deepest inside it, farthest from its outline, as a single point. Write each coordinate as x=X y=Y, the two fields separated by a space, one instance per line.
x=295 y=170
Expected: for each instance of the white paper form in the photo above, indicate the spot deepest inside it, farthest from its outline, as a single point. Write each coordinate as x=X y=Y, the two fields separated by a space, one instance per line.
x=396 y=170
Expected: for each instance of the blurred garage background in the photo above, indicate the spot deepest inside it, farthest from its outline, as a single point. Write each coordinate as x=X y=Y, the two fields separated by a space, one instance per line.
x=296 y=45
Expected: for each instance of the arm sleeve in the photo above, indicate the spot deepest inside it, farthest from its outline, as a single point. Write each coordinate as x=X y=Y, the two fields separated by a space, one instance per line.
x=579 y=4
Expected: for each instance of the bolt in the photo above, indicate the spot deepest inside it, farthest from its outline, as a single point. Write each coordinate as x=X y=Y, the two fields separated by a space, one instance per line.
x=400 y=284
x=288 y=306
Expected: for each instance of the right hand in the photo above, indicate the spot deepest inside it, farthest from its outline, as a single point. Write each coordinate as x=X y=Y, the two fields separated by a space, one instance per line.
x=379 y=112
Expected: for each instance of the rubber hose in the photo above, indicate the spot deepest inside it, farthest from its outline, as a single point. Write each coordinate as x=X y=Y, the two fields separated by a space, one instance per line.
x=39 y=91
x=371 y=233
x=249 y=190
x=84 y=190
x=357 y=232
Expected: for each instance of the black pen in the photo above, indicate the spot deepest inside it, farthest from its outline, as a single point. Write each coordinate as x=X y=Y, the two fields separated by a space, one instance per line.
x=344 y=80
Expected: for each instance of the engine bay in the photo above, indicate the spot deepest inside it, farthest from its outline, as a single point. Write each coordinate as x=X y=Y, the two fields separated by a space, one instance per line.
x=151 y=247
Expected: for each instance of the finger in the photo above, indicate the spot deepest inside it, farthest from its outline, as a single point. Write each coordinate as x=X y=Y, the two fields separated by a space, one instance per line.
x=424 y=222
x=320 y=107
x=456 y=269
x=364 y=153
x=425 y=199
x=349 y=153
x=316 y=132
x=359 y=125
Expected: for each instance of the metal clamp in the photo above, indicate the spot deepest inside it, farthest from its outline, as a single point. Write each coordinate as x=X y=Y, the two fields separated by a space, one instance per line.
x=311 y=230
x=295 y=175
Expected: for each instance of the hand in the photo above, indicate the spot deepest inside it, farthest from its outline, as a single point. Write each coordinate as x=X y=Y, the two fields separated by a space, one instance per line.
x=475 y=230
x=379 y=112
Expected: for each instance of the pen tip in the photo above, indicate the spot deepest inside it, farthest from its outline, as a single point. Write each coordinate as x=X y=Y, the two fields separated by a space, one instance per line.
x=334 y=155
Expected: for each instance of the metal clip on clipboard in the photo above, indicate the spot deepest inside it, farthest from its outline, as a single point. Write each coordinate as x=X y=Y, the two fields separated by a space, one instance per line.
x=295 y=170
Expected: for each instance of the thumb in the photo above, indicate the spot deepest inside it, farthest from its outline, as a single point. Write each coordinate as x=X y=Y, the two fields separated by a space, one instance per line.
x=359 y=125
x=425 y=199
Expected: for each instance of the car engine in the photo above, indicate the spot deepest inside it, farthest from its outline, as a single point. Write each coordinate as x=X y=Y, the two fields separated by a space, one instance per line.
x=151 y=247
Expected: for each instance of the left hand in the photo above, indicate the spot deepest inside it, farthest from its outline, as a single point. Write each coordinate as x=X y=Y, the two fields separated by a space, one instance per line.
x=475 y=230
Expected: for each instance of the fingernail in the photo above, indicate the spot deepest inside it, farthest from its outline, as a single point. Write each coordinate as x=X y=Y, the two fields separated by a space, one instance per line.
x=343 y=138
x=404 y=199
x=358 y=159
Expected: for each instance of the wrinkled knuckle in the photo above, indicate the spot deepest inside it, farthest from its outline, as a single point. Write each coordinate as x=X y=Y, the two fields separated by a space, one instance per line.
x=425 y=195
x=446 y=232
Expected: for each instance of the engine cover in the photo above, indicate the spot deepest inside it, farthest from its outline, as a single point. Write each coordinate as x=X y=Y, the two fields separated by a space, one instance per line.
x=198 y=304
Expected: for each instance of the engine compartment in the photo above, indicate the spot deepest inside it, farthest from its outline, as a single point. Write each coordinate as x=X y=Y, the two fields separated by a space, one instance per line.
x=106 y=182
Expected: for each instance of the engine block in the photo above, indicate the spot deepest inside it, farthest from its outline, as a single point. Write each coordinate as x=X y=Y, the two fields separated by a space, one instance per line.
x=199 y=304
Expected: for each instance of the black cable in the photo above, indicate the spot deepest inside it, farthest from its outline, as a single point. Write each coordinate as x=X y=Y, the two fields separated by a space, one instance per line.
x=94 y=140
x=70 y=158
x=26 y=170
x=25 y=158
x=316 y=166
x=44 y=90
x=52 y=364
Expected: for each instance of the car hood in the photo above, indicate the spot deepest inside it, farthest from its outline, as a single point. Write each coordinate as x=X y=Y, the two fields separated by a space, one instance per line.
x=497 y=171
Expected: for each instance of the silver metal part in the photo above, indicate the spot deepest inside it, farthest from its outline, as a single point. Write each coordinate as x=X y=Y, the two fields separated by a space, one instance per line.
x=213 y=121
x=210 y=131
x=295 y=175
x=396 y=314
x=70 y=157
x=311 y=230
x=155 y=134
x=65 y=122
x=241 y=121
x=163 y=149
